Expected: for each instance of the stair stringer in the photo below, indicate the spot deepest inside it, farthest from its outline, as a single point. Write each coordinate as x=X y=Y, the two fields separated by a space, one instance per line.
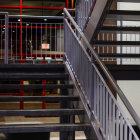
x=97 y=17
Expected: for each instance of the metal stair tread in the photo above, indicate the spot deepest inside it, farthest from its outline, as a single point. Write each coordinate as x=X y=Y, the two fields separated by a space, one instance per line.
x=23 y=128
x=116 y=29
x=41 y=112
x=123 y=15
x=35 y=86
x=120 y=55
x=31 y=76
x=38 y=66
x=123 y=43
x=38 y=98
x=123 y=72
x=132 y=1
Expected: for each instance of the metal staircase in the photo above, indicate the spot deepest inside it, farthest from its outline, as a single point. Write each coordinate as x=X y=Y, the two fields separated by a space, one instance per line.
x=12 y=74
x=94 y=44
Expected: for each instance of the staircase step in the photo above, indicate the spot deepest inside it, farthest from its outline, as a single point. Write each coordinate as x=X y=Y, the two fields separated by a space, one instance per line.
x=122 y=30
x=41 y=112
x=24 y=128
x=38 y=98
x=123 y=72
x=49 y=68
x=120 y=55
x=35 y=86
x=132 y=1
x=115 y=43
x=123 y=15
x=33 y=76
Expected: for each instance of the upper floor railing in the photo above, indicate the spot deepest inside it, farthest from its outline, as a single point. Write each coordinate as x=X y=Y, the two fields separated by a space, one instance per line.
x=35 y=38
x=82 y=60
x=4 y=21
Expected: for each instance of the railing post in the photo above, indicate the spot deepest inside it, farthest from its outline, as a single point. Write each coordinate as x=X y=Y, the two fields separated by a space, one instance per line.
x=6 y=38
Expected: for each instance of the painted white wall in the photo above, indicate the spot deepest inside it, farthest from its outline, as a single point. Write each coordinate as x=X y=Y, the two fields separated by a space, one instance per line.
x=130 y=88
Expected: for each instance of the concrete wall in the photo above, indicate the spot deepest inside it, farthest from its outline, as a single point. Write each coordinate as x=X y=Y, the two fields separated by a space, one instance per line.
x=130 y=88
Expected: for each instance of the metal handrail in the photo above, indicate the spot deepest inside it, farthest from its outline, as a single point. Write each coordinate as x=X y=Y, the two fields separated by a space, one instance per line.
x=107 y=73
x=36 y=17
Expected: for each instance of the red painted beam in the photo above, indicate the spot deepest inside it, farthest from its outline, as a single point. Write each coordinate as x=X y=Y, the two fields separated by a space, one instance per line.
x=39 y=27
x=33 y=7
x=67 y=3
x=21 y=82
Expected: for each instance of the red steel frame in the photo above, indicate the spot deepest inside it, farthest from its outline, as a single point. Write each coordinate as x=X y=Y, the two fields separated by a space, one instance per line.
x=44 y=90
x=35 y=7
x=39 y=27
x=21 y=82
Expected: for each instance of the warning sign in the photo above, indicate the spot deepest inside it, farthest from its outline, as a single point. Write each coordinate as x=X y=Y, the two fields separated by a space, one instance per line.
x=45 y=46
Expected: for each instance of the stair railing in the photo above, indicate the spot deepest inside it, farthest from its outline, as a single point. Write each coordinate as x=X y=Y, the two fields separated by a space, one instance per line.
x=81 y=58
x=83 y=11
x=31 y=41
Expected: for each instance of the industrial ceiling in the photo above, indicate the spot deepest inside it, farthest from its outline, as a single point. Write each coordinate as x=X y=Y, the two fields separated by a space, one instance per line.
x=34 y=7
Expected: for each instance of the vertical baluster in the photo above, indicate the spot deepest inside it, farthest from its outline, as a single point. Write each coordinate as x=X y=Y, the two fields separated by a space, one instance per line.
x=98 y=91
x=117 y=125
x=114 y=122
x=11 y=40
x=83 y=11
x=16 y=43
x=130 y=135
x=41 y=39
x=110 y=118
x=36 y=40
x=125 y=132
x=55 y=49
x=121 y=128
x=79 y=13
x=26 y=41
x=101 y=104
x=86 y=11
x=50 y=35
x=47 y=35
x=106 y=115
x=104 y=104
x=31 y=40
x=95 y=91
x=60 y=40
